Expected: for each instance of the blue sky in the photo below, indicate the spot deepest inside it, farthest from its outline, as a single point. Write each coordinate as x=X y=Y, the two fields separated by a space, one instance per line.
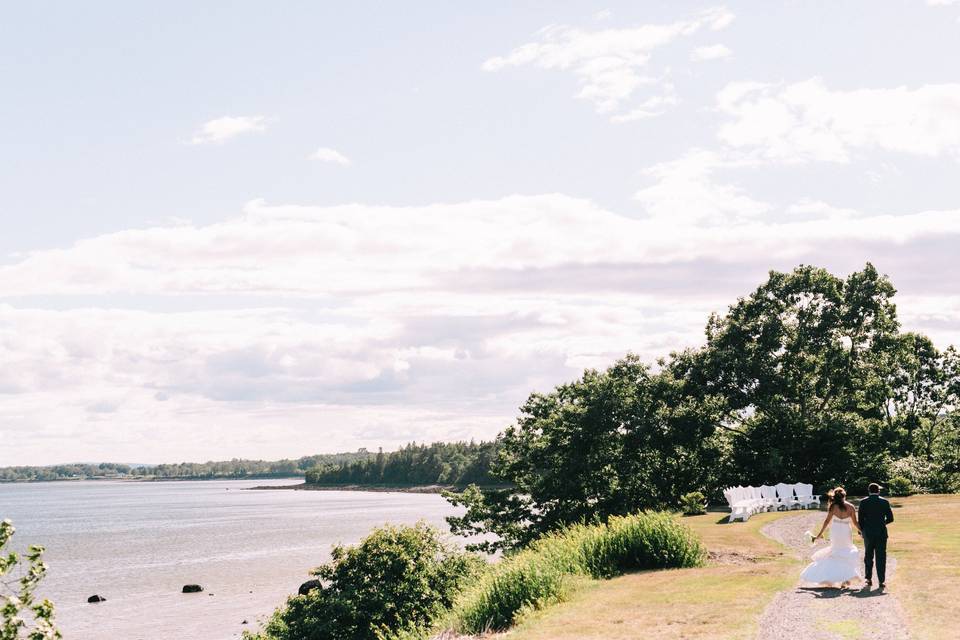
x=267 y=231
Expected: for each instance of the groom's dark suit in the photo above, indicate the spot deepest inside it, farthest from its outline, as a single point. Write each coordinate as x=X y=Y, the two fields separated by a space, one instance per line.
x=874 y=514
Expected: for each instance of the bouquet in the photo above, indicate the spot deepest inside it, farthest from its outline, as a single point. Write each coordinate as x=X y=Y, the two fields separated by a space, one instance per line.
x=811 y=537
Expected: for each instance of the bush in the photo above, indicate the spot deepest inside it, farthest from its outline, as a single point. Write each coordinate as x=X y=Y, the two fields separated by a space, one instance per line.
x=899 y=486
x=21 y=616
x=395 y=582
x=926 y=476
x=540 y=574
x=643 y=541
x=693 y=504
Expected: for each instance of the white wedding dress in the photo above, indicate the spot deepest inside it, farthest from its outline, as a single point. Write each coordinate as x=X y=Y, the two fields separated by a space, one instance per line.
x=838 y=563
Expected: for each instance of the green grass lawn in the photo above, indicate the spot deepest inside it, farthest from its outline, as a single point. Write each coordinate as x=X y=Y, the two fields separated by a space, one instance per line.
x=725 y=598
x=925 y=538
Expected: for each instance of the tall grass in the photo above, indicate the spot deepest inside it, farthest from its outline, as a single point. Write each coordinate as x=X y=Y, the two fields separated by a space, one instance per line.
x=541 y=573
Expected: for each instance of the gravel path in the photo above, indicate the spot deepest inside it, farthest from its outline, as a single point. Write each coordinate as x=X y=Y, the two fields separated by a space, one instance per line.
x=828 y=614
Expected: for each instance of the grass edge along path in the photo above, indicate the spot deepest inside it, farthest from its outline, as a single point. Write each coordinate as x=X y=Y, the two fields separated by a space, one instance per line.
x=724 y=599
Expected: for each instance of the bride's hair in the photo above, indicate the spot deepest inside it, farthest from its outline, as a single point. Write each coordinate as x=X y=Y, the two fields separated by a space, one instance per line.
x=838 y=497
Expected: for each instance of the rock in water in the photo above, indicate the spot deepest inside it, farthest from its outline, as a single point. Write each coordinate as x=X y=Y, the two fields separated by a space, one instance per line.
x=308 y=586
x=192 y=588
x=96 y=598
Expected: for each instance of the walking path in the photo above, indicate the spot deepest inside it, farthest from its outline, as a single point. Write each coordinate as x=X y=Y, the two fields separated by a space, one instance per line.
x=828 y=614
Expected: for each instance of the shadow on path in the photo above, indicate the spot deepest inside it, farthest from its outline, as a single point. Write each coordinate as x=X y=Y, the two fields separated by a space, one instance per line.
x=822 y=592
x=815 y=612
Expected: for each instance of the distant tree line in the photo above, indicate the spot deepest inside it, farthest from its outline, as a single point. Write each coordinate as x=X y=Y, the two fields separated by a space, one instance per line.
x=441 y=463
x=235 y=468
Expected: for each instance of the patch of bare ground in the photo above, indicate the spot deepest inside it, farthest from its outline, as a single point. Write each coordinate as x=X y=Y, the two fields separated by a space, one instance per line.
x=732 y=557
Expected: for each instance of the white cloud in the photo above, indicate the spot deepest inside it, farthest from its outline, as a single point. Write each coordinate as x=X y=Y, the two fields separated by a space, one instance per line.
x=452 y=316
x=711 y=52
x=312 y=251
x=649 y=108
x=807 y=121
x=686 y=191
x=326 y=154
x=227 y=127
x=607 y=63
x=820 y=209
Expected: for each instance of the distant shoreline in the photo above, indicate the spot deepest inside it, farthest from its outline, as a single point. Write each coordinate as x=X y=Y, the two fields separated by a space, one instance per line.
x=151 y=479
x=428 y=488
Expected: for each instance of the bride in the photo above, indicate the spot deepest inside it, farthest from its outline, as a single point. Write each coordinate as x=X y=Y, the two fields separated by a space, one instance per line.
x=839 y=563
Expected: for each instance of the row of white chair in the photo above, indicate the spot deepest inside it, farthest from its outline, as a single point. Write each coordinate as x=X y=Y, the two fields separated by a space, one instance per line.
x=746 y=501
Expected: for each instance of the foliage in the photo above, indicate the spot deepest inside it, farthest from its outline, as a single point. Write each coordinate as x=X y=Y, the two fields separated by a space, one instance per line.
x=453 y=464
x=801 y=366
x=397 y=580
x=64 y=472
x=808 y=378
x=925 y=389
x=920 y=473
x=540 y=574
x=900 y=486
x=235 y=468
x=611 y=443
x=693 y=503
x=21 y=616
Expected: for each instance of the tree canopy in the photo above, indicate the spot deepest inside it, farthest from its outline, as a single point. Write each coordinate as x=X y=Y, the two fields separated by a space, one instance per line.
x=809 y=378
x=441 y=463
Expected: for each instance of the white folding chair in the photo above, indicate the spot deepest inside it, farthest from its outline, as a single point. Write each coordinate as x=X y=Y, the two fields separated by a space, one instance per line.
x=744 y=499
x=805 y=496
x=769 y=497
x=786 y=498
x=739 y=509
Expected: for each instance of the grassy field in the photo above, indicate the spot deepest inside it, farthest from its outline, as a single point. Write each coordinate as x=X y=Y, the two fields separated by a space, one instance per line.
x=725 y=599
x=721 y=600
x=925 y=538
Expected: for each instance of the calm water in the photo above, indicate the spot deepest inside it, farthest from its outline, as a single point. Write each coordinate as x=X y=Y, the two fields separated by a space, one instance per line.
x=137 y=544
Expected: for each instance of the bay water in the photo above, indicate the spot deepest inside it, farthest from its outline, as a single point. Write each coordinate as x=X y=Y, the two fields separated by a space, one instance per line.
x=138 y=543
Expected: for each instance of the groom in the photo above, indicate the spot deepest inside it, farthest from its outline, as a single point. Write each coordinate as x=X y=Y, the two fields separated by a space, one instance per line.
x=874 y=515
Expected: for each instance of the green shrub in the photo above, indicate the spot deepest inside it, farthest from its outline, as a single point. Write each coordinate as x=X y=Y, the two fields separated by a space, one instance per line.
x=925 y=476
x=21 y=616
x=540 y=574
x=527 y=580
x=643 y=541
x=899 y=486
x=394 y=583
x=693 y=503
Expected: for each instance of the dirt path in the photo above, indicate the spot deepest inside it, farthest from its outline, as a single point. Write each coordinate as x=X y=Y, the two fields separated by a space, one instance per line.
x=828 y=614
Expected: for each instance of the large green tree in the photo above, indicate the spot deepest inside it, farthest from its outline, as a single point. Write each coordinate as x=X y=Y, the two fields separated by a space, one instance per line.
x=808 y=378
x=925 y=390
x=610 y=443
x=802 y=366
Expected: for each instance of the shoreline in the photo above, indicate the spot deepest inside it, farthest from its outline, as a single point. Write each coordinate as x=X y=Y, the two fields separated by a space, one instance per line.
x=427 y=488
x=150 y=479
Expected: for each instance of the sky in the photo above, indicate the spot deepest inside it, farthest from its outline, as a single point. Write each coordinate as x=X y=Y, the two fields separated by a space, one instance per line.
x=269 y=230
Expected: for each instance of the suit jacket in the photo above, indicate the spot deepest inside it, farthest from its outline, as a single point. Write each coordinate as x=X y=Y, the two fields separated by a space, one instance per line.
x=874 y=514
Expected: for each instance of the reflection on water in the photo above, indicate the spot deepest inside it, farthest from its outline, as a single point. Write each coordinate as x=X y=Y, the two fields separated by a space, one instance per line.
x=138 y=543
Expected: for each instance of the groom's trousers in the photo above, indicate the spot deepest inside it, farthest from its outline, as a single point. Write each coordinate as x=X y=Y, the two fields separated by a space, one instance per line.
x=875 y=546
